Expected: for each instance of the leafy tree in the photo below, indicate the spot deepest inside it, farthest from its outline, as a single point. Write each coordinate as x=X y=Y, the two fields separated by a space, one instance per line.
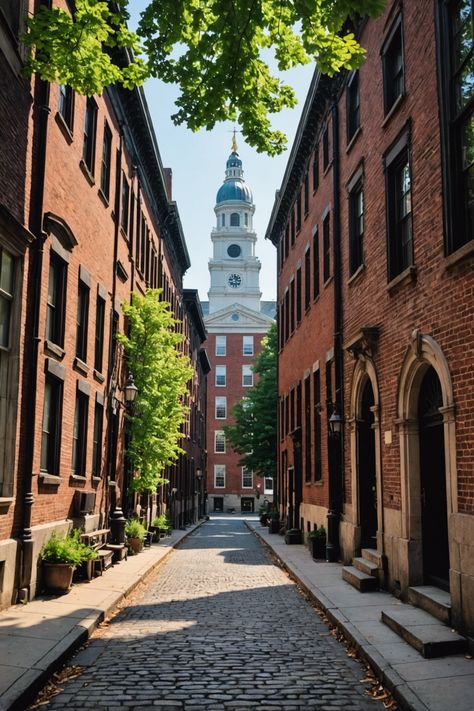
x=161 y=374
x=254 y=434
x=214 y=50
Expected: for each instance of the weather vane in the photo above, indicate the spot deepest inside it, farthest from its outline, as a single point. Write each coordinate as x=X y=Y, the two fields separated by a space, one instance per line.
x=234 y=140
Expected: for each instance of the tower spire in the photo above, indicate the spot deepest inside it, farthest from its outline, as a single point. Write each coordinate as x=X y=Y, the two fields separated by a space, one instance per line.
x=234 y=142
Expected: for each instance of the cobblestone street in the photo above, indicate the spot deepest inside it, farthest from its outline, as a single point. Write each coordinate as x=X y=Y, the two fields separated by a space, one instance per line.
x=218 y=627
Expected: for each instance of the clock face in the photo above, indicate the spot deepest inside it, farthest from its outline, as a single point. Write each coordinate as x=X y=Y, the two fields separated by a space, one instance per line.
x=234 y=280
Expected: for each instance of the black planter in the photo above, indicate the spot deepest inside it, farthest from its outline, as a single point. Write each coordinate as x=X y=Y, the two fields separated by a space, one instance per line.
x=274 y=525
x=317 y=546
x=293 y=536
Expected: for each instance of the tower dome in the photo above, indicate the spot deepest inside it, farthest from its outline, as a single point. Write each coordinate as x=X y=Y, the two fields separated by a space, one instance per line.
x=234 y=186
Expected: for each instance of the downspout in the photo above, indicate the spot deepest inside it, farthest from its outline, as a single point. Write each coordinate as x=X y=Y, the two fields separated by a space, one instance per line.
x=337 y=456
x=41 y=111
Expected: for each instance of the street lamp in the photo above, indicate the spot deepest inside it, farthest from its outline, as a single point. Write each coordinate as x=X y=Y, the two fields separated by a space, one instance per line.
x=335 y=422
x=130 y=391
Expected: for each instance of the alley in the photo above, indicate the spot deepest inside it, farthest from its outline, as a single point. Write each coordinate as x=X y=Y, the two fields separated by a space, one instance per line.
x=218 y=627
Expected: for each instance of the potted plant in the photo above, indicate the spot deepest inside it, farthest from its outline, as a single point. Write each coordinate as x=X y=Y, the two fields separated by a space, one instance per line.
x=274 y=522
x=263 y=514
x=317 y=542
x=135 y=532
x=162 y=524
x=60 y=556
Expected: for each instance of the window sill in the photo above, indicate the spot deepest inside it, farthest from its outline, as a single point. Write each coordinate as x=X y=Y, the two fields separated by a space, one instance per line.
x=87 y=174
x=49 y=479
x=464 y=252
x=103 y=197
x=353 y=139
x=96 y=479
x=77 y=478
x=79 y=365
x=355 y=277
x=327 y=169
x=54 y=350
x=112 y=484
x=65 y=130
x=5 y=501
x=98 y=376
x=406 y=277
x=393 y=109
x=327 y=282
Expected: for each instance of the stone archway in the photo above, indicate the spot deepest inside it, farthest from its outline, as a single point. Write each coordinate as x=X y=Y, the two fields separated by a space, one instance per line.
x=423 y=355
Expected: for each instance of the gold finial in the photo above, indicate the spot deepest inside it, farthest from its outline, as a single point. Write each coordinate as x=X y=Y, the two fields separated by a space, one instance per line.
x=234 y=142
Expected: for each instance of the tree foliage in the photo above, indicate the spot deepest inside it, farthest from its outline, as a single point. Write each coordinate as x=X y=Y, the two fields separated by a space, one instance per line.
x=254 y=434
x=161 y=374
x=214 y=50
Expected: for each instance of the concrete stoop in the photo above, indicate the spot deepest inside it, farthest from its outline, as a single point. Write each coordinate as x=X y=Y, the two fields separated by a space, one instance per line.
x=364 y=572
x=430 y=637
x=433 y=600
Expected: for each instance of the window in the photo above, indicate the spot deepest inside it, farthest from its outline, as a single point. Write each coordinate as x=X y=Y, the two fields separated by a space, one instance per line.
x=106 y=159
x=99 y=334
x=292 y=306
x=456 y=22
x=315 y=263
x=292 y=229
x=316 y=169
x=221 y=345
x=298 y=295
x=268 y=485
x=298 y=211
x=247 y=376
x=356 y=226
x=51 y=426
x=306 y=194
x=66 y=104
x=352 y=106
x=307 y=277
x=287 y=315
x=392 y=66
x=398 y=202
x=82 y=321
x=221 y=408
x=219 y=476
x=7 y=264
x=326 y=248
x=125 y=203
x=235 y=219
x=221 y=375
x=56 y=300
x=286 y=250
x=307 y=428
x=317 y=425
x=325 y=147
x=223 y=220
x=247 y=345
x=90 y=126
x=219 y=442
x=247 y=478
x=97 y=442
x=12 y=10
x=79 y=435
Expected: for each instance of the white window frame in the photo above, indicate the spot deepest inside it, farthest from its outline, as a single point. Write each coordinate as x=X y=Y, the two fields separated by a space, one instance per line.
x=219 y=436
x=246 y=372
x=266 y=489
x=246 y=342
x=219 y=471
x=244 y=485
x=221 y=345
x=221 y=371
x=223 y=403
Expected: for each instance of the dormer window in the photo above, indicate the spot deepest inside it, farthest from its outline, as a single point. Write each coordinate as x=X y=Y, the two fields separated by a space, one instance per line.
x=235 y=219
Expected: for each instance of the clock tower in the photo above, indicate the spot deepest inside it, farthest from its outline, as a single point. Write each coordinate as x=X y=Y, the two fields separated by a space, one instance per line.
x=234 y=268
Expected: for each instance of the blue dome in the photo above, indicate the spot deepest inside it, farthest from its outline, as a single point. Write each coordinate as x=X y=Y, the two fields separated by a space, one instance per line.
x=234 y=190
x=233 y=161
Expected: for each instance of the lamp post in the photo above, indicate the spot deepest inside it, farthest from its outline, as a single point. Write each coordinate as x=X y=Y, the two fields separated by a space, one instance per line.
x=199 y=481
x=335 y=423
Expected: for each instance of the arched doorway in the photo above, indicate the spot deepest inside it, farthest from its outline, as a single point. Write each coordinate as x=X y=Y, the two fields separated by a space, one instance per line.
x=434 y=509
x=366 y=468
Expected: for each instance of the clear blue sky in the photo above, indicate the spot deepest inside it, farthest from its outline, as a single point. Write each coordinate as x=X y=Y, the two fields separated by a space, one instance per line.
x=198 y=163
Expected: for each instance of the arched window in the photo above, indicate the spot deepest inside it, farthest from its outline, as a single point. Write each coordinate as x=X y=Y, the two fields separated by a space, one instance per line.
x=246 y=219
x=235 y=219
x=223 y=220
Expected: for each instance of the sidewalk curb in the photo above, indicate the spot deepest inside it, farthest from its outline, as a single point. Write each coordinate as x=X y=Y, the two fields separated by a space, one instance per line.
x=403 y=695
x=23 y=691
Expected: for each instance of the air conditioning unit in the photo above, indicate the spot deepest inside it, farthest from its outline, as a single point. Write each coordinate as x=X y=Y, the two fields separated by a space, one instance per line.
x=84 y=502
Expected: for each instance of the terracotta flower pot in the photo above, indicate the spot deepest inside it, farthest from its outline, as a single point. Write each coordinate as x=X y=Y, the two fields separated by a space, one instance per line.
x=136 y=544
x=58 y=576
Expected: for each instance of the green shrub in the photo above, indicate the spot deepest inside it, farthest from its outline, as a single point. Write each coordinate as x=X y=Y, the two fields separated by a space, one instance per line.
x=317 y=533
x=162 y=521
x=135 y=529
x=67 y=549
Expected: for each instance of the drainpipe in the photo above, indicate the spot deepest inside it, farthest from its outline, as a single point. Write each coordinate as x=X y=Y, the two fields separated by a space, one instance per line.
x=41 y=111
x=337 y=440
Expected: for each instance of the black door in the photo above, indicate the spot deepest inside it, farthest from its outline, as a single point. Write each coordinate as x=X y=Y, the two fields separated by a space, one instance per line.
x=434 y=509
x=366 y=469
x=219 y=503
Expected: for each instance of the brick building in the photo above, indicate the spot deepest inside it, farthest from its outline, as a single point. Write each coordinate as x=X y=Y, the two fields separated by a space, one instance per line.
x=373 y=225
x=86 y=219
x=236 y=320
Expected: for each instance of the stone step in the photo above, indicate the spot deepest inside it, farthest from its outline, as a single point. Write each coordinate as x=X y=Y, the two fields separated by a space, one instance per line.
x=373 y=555
x=433 y=600
x=358 y=579
x=430 y=637
x=366 y=566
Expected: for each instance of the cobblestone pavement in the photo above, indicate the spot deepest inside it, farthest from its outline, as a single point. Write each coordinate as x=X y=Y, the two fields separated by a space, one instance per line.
x=219 y=627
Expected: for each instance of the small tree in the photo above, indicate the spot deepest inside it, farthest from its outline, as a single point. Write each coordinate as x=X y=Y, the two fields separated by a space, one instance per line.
x=161 y=374
x=254 y=434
